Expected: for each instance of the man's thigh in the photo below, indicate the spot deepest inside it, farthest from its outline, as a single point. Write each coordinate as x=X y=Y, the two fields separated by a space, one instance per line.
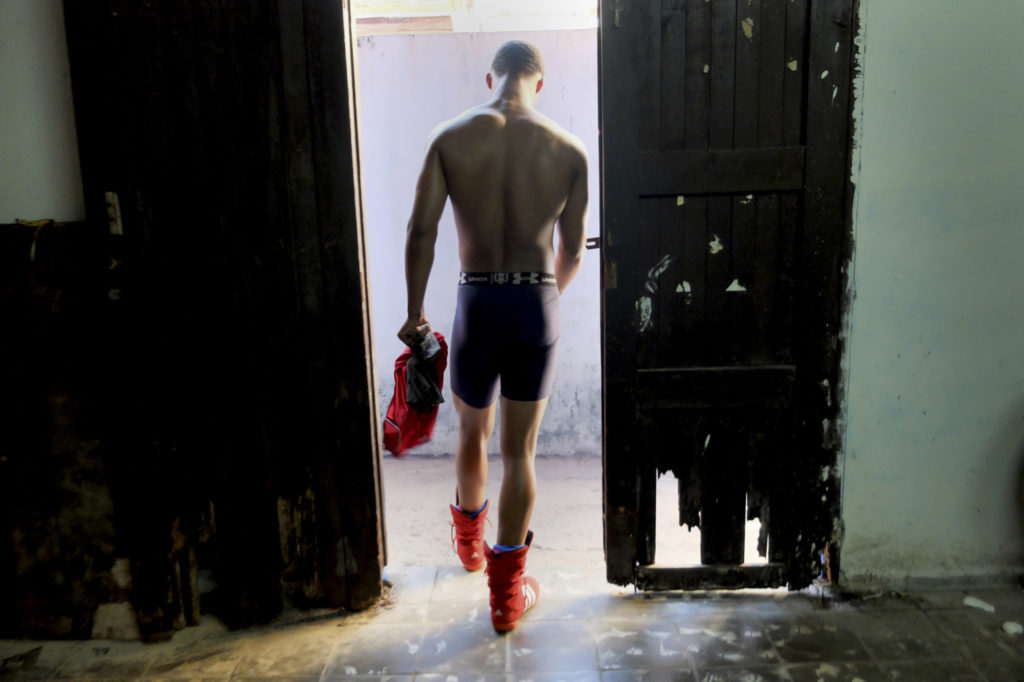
x=474 y=421
x=474 y=356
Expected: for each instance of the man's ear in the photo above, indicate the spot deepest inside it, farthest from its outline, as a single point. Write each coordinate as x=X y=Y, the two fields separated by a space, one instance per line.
x=540 y=84
x=490 y=81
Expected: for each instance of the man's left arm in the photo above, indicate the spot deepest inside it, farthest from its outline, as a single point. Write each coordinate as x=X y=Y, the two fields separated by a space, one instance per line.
x=421 y=235
x=572 y=225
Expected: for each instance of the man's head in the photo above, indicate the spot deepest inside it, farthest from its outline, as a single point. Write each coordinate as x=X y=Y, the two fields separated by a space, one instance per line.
x=519 y=62
x=518 y=58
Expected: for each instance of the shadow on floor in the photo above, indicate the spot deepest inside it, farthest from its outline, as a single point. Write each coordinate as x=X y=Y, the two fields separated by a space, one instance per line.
x=433 y=624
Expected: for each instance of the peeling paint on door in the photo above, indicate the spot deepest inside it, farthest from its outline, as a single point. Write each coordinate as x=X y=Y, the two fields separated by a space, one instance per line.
x=716 y=245
x=644 y=306
x=748 y=28
x=654 y=273
x=684 y=289
x=736 y=286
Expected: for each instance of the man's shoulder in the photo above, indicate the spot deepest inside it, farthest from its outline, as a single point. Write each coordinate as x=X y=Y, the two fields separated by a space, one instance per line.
x=483 y=120
x=570 y=142
x=568 y=139
x=469 y=118
x=454 y=131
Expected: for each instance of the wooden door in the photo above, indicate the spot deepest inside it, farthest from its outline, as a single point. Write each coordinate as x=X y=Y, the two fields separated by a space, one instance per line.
x=240 y=419
x=725 y=142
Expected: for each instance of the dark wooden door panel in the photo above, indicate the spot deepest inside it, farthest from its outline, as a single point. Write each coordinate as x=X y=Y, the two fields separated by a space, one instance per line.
x=721 y=74
x=721 y=239
x=719 y=282
x=715 y=388
x=720 y=170
x=241 y=379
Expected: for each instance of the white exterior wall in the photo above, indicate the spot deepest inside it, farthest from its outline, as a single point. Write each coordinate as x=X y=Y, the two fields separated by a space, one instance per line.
x=39 y=173
x=407 y=85
x=935 y=425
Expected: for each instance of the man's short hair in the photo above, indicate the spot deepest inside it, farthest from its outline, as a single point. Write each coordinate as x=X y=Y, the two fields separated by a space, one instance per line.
x=518 y=58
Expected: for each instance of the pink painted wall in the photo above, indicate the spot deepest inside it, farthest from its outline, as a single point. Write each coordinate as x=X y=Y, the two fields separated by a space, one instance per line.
x=407 y=85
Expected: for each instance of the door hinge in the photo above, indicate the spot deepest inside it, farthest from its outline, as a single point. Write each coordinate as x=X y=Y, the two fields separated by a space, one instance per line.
x=593 y=242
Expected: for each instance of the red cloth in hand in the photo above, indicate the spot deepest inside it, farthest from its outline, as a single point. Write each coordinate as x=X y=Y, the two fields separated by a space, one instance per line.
x=404 y=426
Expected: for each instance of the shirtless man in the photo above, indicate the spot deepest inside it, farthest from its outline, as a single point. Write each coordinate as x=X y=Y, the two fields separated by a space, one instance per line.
x=513 y=175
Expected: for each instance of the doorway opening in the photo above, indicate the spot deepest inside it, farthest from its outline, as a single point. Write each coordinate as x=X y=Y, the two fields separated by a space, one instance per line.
x=420 y=63
x=679 y=545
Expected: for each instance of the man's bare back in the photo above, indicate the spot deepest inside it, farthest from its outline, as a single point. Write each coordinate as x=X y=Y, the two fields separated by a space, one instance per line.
x=513 y=176
x=510 y=173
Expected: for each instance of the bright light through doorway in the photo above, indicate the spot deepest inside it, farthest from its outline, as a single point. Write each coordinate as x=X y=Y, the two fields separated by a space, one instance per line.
x=471 y=16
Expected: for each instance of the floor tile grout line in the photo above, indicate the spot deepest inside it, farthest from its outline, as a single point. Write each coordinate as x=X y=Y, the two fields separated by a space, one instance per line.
x=771 y=642
x=866 y=648
x=784 y=661
x=954 y=638
x=763 y=625
x=593 y=646
x=331 y=657
x=689 y=655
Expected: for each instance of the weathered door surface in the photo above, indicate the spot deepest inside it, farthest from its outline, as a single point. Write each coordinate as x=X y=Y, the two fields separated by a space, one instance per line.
x=724 y=154
x=239 y=412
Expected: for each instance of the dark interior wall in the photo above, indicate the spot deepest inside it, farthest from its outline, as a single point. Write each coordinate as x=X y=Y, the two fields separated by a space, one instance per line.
x=207 y=371
x=55 y=502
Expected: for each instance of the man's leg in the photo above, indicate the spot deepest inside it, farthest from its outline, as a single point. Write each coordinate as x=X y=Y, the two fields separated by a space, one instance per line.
x=512 y=592
x=475 y=428
x=520 y=424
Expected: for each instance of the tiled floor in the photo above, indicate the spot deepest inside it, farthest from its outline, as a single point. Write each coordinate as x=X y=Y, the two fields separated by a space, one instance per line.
x=435 y=626
x=434 y=623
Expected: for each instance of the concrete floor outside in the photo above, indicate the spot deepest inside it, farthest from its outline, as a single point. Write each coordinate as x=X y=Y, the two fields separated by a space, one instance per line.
x=566 y=517
x=434 y=626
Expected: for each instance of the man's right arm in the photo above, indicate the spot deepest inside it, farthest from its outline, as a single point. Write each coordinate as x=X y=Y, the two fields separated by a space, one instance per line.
x=572 y=225
x=421 y=234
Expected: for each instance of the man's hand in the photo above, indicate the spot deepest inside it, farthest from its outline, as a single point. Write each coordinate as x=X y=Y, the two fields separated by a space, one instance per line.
x=415 y=328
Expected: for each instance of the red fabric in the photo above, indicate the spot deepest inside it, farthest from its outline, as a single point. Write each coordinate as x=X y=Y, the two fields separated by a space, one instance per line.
x=404 y=426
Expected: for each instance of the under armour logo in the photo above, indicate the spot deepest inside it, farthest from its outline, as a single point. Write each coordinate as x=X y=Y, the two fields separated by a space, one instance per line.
x=500 y=277
x=526 y=278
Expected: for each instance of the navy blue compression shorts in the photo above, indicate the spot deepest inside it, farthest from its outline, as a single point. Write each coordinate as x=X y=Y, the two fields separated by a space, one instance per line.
x=506 y=327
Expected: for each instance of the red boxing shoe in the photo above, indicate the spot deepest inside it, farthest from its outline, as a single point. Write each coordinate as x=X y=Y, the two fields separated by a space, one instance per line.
x=468 y=537
x=512 y=593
